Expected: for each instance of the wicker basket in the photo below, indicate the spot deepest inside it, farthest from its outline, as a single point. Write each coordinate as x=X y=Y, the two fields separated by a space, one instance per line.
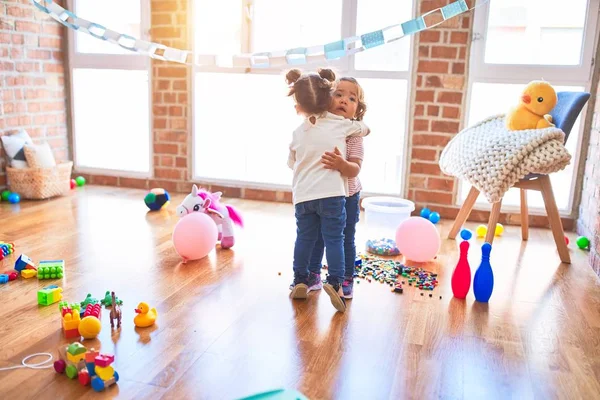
x=40 y=183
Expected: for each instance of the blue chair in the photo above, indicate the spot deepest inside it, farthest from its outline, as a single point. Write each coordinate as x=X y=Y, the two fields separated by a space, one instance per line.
x=564 y=115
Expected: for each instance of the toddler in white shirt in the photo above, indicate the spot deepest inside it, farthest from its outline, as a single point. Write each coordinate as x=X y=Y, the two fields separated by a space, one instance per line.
x=319 y=194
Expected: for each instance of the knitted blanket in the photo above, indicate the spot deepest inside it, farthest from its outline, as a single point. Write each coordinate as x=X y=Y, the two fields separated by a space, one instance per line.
x=493 y=159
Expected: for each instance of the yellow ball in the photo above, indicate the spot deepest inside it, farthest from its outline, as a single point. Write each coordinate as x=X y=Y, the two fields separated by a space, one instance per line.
x=90 y=327
x=481 y=230
x=499 y=230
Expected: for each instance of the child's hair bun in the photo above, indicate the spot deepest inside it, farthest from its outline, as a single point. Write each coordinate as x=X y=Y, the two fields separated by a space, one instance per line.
x=292 y=76
x=327 y=73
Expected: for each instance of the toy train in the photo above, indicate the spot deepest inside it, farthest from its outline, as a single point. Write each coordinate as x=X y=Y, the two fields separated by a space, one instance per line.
x=88 y=366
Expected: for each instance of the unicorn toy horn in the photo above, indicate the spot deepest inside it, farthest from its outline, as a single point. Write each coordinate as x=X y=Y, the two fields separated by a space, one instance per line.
x=224 y=215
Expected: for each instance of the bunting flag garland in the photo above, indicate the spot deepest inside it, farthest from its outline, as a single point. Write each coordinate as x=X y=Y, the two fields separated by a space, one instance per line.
x=291 y=57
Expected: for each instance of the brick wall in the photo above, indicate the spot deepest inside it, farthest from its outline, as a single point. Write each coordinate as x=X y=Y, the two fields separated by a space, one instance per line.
x=438 y=97
x=32 y=78
x=588 y=223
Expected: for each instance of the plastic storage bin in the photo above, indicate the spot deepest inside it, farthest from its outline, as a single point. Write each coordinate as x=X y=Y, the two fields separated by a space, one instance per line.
x=383 y=215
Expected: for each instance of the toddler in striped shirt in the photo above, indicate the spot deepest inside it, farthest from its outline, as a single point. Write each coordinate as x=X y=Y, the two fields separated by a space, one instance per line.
x=348 y=102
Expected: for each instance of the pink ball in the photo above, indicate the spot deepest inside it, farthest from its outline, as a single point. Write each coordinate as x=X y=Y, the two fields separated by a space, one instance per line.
x=417 y=239
x=194 y=236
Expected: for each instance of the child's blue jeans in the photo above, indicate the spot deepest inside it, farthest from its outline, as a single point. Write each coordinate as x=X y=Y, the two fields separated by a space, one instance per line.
x=323 y=219
x=352 y=217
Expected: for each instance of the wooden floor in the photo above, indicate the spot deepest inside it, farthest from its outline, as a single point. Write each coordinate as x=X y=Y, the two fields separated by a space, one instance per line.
x=228 y=329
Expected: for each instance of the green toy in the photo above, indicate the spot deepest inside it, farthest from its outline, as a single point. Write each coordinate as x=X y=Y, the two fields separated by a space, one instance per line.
x=583 y=242
x=89 y=300
x=5 y=194
x=80 y=181
x=72 y=306
x=50 y=273
x=107 y=300
x=278 y=394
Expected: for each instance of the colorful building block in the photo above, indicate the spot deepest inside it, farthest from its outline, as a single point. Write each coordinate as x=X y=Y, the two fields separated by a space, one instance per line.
x=71 y=321
x=12 y=275
x=52 y=263
x=54 y=268
x=93 y=310
x=72 y=333
x=76 y=352
x=6 y=249
x=67 y=308
x=28 y=273
x=49 y=272
x=90 y=356
x=104 y=360
x=49 y=295
x=3 y=278
x=24 y=262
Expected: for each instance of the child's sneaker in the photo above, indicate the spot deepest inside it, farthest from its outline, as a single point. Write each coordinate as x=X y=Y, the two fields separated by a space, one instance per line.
x=348 y=288
x=299 y=287
x=334 y=294
x=314 y=281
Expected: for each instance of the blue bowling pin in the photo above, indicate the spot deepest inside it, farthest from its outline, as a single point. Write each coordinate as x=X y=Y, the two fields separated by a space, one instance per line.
x=483 y=283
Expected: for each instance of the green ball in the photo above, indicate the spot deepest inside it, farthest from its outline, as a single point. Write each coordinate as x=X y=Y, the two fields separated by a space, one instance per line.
x=583 y=242
x=80 y=181
x=5 y=194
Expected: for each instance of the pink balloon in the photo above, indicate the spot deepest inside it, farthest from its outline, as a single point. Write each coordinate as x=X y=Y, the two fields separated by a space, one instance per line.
x=194 y=236
x=417 y=239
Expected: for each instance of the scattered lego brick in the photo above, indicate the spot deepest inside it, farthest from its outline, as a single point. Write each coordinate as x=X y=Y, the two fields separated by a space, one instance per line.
x=28 y=273
x=24 y=262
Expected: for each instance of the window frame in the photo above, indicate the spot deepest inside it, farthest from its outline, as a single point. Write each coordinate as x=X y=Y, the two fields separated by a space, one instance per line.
x=345 y=65
x=559 y=75
x=130 y=61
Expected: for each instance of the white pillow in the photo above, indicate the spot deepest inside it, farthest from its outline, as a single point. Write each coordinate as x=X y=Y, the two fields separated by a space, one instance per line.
x=39 y=155
x=14 y=148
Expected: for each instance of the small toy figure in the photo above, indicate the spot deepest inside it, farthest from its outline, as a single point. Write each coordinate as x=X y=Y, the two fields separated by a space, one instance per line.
x=108 y=300
x=89 y=300
x=224 y=215
x=146 y=316
x=115 y=312
x=533 y=112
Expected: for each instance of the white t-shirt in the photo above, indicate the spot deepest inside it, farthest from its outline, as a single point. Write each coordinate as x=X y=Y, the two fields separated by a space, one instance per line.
x=311 y=179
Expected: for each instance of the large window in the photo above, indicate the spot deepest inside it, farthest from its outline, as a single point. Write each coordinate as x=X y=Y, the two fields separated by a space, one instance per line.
x=110 y=92
x=243 y=120
x=516 y=41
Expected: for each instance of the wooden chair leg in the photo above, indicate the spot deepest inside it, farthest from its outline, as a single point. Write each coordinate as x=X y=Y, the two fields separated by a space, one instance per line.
x=554 y=219
x=494 y=217
x=464 y=212
x=524 y=215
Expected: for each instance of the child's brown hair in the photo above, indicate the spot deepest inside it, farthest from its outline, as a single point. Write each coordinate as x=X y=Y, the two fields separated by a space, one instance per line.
x=361 y=109
x=312 y=92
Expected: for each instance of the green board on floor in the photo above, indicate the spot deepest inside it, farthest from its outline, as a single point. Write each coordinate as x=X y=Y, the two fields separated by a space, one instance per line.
x=279 y=394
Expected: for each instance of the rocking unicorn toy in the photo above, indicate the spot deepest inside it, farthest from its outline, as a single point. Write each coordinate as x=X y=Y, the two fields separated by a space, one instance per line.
x=224 y=215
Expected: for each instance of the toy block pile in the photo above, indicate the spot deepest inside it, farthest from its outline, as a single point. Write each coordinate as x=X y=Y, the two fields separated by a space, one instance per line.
x=6 y=249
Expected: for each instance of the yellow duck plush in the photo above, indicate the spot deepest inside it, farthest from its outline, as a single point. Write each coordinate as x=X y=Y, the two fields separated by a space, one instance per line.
x=146 y=316
x=537 y=100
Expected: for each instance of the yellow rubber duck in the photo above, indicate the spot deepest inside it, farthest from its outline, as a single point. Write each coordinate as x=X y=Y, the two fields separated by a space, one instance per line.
x=146 y=316
x=537 y=100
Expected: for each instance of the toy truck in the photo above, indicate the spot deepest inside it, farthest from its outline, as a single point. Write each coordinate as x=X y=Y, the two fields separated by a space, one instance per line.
x=88 y=366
